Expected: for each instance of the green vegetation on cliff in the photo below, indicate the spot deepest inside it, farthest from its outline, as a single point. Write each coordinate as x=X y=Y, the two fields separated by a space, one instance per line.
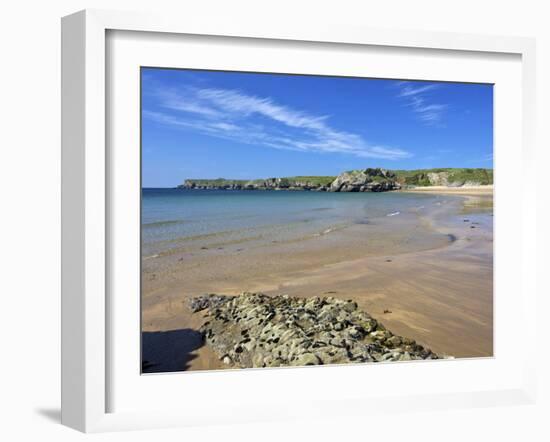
x=282 y=182
x=313 y=180
x=217 y=182
x=446 y=176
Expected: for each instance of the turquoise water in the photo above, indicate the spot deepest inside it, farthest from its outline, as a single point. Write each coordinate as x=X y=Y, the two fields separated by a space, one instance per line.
x=178 y=216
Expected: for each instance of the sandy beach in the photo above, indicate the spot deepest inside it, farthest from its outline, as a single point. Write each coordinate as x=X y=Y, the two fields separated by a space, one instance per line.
x=446 y=190
x=439 y=295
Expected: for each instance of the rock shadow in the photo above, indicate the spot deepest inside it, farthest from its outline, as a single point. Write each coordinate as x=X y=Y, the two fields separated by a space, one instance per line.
x=169 y=351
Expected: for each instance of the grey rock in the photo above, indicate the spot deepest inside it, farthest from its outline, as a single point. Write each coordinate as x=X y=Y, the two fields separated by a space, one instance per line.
x=350 y=306
x=256 y=330
x=206 y=301
x=394 y=341
x=307 y=359
x=366 y=180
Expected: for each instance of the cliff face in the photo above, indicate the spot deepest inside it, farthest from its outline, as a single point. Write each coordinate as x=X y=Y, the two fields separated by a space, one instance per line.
x=367 y=180
x=363 y=180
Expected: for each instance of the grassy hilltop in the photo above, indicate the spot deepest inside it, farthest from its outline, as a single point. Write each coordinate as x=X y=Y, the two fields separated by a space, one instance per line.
x=421 y=177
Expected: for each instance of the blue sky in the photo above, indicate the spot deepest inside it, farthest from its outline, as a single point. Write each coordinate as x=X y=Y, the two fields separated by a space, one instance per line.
x=201 y=124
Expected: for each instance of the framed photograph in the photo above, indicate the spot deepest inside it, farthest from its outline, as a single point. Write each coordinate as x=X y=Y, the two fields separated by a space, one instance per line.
x=250 y=213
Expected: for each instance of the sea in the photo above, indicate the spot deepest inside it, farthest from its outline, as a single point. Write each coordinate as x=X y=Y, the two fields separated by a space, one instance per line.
x=214 y=218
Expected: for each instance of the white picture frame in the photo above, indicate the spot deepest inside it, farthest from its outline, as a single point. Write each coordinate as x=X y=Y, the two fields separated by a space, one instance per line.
x=86 y=208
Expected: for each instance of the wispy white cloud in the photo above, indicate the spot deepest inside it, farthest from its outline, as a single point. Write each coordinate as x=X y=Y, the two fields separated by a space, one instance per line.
x=171 y=99
x=245 y=105
x=237 y=116
x=418 y=98
x=409 y=91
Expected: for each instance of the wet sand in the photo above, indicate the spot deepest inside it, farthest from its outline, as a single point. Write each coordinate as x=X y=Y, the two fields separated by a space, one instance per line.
x=431 y=282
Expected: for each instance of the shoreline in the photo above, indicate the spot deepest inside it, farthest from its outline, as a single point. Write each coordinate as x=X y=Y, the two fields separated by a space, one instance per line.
x=446 y=190
x=432 y=295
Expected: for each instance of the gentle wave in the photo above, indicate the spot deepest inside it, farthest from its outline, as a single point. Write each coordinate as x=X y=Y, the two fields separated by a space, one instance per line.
x=163 y=223
x=320 y=209
x=393 y=214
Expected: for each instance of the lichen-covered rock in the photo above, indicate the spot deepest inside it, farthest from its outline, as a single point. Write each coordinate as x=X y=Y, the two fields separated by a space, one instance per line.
x=206 y=301
x=256 y=330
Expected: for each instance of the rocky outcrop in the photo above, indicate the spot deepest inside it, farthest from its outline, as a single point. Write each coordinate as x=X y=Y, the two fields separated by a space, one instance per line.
x=366 y=180
x=256 y=330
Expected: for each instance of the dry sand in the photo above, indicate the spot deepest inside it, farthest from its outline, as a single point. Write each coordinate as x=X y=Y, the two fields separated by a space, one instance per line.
x=444 y=190
x=442 y=297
